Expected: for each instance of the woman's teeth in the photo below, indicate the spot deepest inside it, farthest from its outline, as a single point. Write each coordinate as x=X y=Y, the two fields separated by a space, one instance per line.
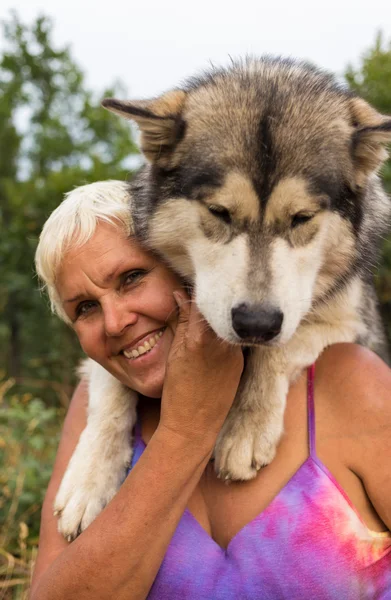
x=146 y=346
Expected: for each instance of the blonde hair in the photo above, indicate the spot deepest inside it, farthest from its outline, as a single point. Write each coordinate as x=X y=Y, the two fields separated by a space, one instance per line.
x=73 y=223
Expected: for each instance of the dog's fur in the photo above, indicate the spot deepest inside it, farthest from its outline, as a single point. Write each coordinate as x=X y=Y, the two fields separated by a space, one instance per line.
x=261 y=191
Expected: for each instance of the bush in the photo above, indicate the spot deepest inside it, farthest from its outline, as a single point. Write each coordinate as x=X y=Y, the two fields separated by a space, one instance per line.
x=29 y=436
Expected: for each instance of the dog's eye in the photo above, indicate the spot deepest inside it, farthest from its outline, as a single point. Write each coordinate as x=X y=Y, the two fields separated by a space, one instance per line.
x=220 y=212
x=300 y=219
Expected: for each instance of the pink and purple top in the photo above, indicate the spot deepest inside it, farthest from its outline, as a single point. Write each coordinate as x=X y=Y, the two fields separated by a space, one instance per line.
x=309 y=543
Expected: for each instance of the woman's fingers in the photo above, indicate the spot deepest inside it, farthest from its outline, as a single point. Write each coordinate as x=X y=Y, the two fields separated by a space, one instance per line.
x=184 y=304
x=202 y=376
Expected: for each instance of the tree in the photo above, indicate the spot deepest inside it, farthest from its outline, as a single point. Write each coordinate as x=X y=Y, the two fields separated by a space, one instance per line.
x=56 y=137
x=372 y=81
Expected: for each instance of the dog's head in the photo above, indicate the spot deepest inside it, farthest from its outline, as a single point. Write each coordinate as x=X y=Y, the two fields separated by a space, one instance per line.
x=257 y=189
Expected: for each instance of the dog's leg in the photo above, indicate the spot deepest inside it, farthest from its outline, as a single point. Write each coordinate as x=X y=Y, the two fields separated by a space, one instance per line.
x=251 y=432
x=99 y=463
x=254 y=425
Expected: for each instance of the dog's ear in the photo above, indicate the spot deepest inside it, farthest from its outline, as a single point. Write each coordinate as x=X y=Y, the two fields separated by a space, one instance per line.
x=372 y=132
x=159 y=120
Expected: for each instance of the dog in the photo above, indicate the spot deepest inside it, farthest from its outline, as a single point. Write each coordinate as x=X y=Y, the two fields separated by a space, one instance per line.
x=261 y=190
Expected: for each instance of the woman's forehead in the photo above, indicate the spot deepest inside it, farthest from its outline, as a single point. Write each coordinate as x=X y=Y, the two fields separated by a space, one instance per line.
x=101 y=259
x=108 y=238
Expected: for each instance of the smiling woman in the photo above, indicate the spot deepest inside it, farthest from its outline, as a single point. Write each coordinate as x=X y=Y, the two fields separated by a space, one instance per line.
x=117 y=296
x=120 y=300
x=313 y=523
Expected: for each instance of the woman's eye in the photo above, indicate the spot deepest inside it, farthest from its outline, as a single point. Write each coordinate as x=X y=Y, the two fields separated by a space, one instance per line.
x=85 y=308
x=300 y=219
x=220 y=212
x=133 y=276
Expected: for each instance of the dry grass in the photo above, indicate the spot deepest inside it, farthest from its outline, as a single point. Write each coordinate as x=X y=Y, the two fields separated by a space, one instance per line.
x=16 y=571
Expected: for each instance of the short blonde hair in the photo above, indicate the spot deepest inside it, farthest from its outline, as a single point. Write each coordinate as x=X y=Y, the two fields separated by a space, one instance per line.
x=73 y=223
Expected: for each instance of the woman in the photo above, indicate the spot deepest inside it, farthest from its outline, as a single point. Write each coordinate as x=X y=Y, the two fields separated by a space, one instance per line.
x=313 y=524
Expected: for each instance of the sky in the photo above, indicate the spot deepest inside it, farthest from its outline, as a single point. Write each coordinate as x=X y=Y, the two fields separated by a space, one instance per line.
x=152 y=45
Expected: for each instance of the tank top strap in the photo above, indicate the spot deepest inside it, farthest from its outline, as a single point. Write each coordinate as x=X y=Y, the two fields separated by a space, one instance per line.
x=311 y=410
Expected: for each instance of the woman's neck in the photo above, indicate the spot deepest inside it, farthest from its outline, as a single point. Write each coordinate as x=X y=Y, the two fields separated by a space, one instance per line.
x=148 y=410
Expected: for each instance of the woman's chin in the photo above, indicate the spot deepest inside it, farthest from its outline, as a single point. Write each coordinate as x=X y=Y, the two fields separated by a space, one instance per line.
x=150 y=389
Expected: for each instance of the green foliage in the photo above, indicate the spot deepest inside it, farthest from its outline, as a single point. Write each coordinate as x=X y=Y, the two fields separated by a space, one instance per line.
x=29 y=435
x=372 y=80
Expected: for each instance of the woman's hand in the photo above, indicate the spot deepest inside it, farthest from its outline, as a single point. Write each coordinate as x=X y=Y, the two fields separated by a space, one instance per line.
x=202 y=377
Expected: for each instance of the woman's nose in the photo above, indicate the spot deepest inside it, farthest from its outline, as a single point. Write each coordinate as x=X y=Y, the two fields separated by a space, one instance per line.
x=117 y=317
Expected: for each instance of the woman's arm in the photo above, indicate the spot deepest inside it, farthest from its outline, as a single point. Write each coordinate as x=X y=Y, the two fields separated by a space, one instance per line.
x=119 y=555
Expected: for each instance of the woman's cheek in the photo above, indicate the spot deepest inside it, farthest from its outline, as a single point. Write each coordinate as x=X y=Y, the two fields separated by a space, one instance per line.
x=88 y=340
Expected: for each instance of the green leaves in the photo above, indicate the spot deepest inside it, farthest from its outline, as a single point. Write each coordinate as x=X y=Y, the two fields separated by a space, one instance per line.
x=29 y=434
x=372 y=79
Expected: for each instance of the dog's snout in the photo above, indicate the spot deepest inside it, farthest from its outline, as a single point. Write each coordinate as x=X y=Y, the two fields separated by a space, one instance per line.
x=256 y=321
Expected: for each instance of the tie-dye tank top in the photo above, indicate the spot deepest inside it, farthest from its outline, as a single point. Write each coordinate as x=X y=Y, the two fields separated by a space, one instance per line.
x=309 y=543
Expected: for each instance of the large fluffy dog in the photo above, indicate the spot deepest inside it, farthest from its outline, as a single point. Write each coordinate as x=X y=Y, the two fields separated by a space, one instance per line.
x=261 y=190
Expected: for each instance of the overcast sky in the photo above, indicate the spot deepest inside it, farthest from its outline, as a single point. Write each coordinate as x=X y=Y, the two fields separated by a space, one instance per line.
x=152 y=45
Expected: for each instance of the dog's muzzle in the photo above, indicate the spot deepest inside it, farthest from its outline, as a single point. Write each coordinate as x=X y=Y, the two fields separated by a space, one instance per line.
x=256 y=323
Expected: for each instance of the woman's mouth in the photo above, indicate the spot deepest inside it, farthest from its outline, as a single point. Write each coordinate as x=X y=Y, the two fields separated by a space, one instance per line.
x=145 y=347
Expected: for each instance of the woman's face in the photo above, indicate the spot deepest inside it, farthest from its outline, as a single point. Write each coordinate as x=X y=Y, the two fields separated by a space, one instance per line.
x=120 y=300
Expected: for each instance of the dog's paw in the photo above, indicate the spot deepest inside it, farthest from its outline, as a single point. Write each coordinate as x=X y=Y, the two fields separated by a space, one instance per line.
x=244 y=447
x=89 y=484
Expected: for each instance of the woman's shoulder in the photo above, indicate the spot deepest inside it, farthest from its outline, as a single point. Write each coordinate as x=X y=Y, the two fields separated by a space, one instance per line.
x=355 y=410
x=355 y=380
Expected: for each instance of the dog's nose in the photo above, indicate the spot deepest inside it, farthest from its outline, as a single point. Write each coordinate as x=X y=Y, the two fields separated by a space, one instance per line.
x=256 y=321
